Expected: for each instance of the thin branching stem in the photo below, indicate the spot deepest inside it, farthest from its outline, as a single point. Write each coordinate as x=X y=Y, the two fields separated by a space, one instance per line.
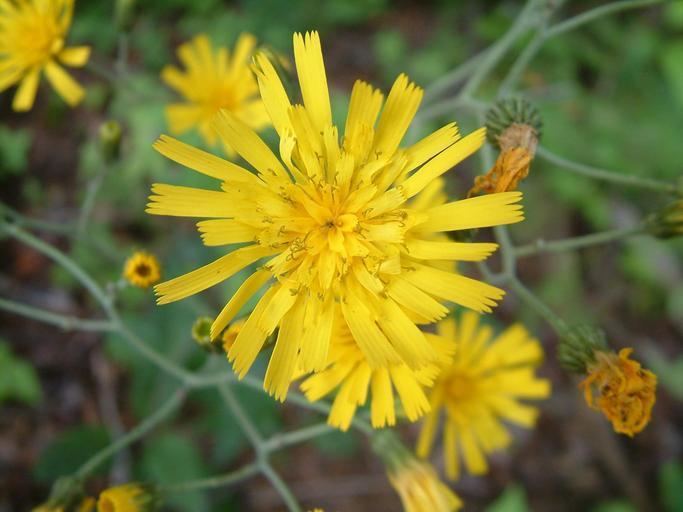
x=571 y=244
x=225 y=480
x=604 y=175
x=241 y=416
x=66 y=322
x=163 y=412
x=530 y=299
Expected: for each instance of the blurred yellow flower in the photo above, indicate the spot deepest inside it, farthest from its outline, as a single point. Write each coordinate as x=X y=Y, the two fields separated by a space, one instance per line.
x=142 y=269
x=130 y=497
x=32 y=40
x=230 y=333
x=332 y=216
x=213 y=80
x=420 y=488
x=481 y=387
x=620 y=388
x=349 y=371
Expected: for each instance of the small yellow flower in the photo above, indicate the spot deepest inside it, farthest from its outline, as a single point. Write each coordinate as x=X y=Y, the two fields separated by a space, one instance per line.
x=214 y=80
x=131 y=497
x=480 y=388
x=333 y=222
x=230 y=333
x=355 y=379
x=620 y=388
x=142 y=269
x=420 y=488
x=32 y=39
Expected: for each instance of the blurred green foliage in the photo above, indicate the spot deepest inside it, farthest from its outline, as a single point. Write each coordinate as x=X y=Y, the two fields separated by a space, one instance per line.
x=18 y=379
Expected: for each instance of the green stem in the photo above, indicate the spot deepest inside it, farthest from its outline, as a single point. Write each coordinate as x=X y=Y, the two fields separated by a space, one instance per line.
x=89 y=201
x=161 y=361
x=280 y=441
x=280 y=487
x=498 y=50
x=242 y=418
x=528 y=297
x=521 y=63
x=602 y=174
x=59 y=257
x=231 y=478
x=175 y=400
x=20 y=220
x=68 y=323
x=603 y=10
x=579 y=242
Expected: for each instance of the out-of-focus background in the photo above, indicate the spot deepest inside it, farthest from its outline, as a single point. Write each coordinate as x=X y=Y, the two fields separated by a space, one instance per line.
x=610 y=94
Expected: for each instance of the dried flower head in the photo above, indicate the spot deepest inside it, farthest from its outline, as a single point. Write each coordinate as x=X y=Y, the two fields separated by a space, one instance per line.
x=32 y=40
x=620 y=388
x=142 y=269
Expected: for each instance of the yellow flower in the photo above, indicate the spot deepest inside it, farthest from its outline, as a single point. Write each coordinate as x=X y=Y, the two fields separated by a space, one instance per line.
x=420 y=488
x=32 y=39
x=349 y=371
x=334 y=221
x=213 y=80
x=479 y=389
x=625 y=392
x=142 y=269
x=131 y=497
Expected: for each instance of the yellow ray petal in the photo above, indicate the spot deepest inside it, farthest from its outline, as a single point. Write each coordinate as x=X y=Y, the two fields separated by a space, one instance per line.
x=442 y=162
x=209 y=275
x=430 y=146
x=181 y=117
x=26 y=93
x=343 y=408
x=474 y=458
x=364 y=107
x=189 y=202
x=459 y=251
x=310 y=68
x=250 y=339
x=407 y=339
x=401 y=106
x=450 y=448
x=416 y=300
x=62 y=82
x=75 y=56
x=382 y=408
x=225 y=231
x=456 y=288
x=273 y=93
x=246 y=290
x=249 y=146
x=475 y=212
x=412 y=397
x=201 y=161
x=284 y=358
x=317 y=332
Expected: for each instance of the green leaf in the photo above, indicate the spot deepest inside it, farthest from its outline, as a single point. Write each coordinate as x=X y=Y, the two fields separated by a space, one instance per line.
x=337 y=444
x=171 y=459
x=671 y=486
x=66 y=453
x=18 y=379
x=513 y=499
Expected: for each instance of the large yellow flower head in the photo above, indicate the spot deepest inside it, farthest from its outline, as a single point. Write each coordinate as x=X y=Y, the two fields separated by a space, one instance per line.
x=213 y=80
x=480 y=388
x=32 y=39
x=332 y=217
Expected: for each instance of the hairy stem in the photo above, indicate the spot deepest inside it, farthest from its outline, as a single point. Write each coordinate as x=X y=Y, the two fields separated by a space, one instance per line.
x=542 y=246
x=173 y=402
